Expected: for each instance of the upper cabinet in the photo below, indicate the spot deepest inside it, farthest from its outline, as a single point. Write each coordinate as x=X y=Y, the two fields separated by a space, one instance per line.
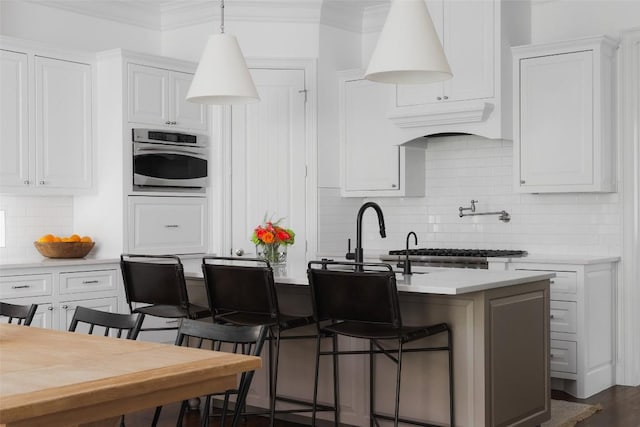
x=46 y=126
x=475 y=36
x=372 y=164
x=157 y=97
x=563 y=124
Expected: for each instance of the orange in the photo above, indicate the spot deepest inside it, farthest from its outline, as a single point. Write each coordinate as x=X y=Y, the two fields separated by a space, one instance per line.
x=47 y=238
x=57 y=239
x=86 y=239
x=74 y=238
x=66 y=239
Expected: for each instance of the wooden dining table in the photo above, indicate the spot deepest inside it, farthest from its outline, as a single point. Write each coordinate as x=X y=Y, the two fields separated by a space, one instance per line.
x=55 y=378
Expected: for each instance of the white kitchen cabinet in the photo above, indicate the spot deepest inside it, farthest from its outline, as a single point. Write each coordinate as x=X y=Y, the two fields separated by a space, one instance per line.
x=157 y=97
x=477 y=99
x=563 y=122
x=582 y=321
x=59 y=289
x=372 y=164
x=167 y=225
x=46 y=125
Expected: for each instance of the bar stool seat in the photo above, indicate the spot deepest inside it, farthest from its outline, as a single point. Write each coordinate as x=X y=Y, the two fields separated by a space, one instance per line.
x=155 y=285
x=241 y=291
x=360 y=300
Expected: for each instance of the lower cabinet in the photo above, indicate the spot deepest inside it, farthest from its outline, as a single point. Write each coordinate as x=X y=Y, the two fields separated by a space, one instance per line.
x=58 y=290
x=167 y=225
x=582 y=322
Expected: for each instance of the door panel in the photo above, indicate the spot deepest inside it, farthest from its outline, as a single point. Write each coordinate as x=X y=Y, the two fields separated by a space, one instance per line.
x=268 y=159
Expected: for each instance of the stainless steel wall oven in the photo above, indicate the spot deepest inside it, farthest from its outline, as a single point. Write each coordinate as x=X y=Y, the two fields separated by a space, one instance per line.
x=169 y=161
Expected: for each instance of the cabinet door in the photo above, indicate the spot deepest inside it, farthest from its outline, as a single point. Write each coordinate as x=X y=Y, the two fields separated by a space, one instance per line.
x=148 y=95
x=556 y=120
x=67 y=308
x=466 y=30
x=161 y=225
x=414 y=95
x=370 y=160
x=43 y=317
x=63 y=124
x=14 y=122
x=186 y=114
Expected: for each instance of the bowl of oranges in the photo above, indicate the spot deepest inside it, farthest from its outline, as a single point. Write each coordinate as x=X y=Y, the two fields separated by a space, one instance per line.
x=74 y=246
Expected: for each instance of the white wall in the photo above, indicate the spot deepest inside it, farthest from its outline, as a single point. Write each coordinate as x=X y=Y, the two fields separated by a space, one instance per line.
x=71 y=30
x=28 y=218
x=566 y=19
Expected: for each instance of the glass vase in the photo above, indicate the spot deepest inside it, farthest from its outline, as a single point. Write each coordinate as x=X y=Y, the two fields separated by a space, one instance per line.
x=275 y=253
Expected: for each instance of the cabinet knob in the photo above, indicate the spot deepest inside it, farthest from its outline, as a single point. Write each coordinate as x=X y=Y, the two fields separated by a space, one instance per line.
x=240 y=252
x=167 y=122
x=66 y=307
x=41 y=182
x=446 y=97
x=26 y=182
x=522 y=181
x=439 y=98
x=174 y=123
x=50 y=308
x=551 y=316
x=393 y=185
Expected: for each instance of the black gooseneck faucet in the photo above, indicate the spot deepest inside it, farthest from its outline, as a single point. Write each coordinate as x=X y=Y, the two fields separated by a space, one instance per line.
x=383 y=234
x=407 y=263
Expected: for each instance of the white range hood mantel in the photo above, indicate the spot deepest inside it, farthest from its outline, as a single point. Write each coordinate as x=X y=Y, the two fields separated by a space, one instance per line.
x=437 y=115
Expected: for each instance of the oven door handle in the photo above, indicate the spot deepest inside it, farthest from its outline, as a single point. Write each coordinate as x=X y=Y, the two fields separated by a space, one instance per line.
x=165 y=151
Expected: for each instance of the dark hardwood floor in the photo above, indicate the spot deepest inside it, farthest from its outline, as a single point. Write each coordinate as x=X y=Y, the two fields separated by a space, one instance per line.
x=620 y=408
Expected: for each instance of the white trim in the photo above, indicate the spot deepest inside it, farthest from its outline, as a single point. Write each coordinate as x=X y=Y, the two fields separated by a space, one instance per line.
x=222 y=138
x=628 y=368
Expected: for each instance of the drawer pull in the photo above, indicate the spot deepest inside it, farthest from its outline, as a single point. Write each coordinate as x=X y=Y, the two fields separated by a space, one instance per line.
x=552 y=316
x=172 y=321
x=552 y=281
x=172 y=226
x=551 y=355
x=20 y=286
x=88 y=282
x=66 y=307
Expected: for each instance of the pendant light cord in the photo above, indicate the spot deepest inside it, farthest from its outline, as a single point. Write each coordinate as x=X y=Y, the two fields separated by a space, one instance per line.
x=221 y=16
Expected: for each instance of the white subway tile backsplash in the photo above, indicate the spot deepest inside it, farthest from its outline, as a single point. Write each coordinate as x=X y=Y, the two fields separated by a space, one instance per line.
x=462 y=168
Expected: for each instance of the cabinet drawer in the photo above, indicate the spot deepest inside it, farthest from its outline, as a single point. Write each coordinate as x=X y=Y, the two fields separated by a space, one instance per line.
x=565 y=282
x=88 y=281
x=25 y=286
x=161 y=225
x=563 y=316
x=563 y=356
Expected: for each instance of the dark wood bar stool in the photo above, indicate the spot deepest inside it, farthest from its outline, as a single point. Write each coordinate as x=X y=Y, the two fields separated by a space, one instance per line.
x=360 y=300
x=155 y=284
x=22 y=314
x=241 y=291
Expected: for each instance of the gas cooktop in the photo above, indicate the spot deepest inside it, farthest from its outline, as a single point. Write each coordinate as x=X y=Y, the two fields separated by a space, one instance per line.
x=447 y=257
x=484 y=253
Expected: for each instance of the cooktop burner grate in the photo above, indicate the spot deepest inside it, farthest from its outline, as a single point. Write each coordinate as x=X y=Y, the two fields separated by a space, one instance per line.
x=448 y=252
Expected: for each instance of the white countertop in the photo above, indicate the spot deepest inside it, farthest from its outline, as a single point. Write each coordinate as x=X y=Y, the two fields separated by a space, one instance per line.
x=40 y=262
x=427 y=280
x=559 y=259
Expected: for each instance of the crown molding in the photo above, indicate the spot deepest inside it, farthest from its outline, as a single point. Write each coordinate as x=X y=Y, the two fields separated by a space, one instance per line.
x=161 y=15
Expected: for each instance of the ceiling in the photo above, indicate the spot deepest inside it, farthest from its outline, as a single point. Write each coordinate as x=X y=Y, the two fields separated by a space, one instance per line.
x=171 y=14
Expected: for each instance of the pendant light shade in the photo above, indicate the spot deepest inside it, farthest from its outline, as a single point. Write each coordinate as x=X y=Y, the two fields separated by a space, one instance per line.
x=408 y=50
x=222 y=76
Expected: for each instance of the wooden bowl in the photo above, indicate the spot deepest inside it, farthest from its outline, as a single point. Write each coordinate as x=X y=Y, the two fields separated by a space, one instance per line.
x=64 y=249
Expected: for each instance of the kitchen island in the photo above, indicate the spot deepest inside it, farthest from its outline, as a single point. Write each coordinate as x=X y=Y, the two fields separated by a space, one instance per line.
x=500 y=324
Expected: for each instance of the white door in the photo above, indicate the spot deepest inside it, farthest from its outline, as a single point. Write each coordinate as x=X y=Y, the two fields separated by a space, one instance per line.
x=268 y=160
x=148 y=95
x=14 y=122
x=68 y=308
x=63 y=124
x=186 y=114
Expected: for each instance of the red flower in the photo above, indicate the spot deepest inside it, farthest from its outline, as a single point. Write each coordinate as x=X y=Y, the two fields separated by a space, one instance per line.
x=282 y=235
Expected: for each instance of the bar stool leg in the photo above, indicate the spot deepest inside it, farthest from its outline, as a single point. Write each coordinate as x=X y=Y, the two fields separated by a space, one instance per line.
x=372 y=380
x=336 y=382
x=315 y=382
x=451 y=405
x=398 y=377
x=273 y=382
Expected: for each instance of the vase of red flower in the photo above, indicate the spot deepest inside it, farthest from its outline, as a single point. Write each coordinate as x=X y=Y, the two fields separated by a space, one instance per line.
x=271 y=241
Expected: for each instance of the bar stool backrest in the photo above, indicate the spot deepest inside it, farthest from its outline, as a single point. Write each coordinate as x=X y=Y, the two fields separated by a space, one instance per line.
x=356 y=292
x=154 y=279
x=240 y=284
x=22 y=314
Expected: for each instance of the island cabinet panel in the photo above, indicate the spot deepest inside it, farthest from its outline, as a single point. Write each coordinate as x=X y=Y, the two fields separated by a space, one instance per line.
x=59 y=289
x=582 y=319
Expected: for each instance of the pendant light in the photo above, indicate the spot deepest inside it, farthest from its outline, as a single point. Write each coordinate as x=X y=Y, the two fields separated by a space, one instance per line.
x=408 y=50
x=222 y=76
